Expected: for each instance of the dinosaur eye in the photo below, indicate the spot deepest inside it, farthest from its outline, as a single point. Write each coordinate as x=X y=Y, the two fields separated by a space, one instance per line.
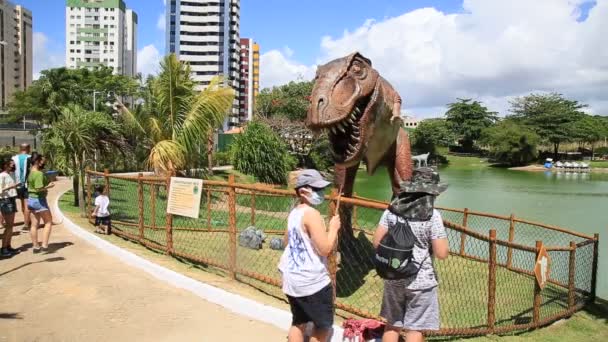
x=358 y=70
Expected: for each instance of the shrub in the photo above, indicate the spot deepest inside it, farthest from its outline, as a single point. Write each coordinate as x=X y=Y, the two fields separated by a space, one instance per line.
x=511 y=143
x=259 y=152
x=222 y=158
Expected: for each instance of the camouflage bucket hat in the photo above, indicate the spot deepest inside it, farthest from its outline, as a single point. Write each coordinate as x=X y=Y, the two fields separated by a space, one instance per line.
x=424 y=180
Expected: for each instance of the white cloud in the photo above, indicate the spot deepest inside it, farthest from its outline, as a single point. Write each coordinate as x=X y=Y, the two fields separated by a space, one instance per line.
x=491 y=51
x=277 y=68
x=43 y=57
x=148 y=59
x=161 y=21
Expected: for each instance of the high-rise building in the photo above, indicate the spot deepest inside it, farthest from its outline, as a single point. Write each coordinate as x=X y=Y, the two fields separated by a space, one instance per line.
x=101 y=32
x=249 y=84
x=205 y=33
x=15 y=50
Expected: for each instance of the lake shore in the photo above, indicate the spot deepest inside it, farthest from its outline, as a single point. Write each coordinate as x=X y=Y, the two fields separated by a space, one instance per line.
x=541 y=168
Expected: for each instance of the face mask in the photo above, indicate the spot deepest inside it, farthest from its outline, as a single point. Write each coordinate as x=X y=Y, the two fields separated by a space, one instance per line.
x=316 y=197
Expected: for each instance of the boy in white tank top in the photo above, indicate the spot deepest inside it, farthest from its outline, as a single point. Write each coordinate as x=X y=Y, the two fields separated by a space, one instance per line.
x=303 y=265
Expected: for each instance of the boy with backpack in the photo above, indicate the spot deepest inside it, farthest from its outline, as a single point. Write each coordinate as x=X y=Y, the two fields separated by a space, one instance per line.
x=409 y=235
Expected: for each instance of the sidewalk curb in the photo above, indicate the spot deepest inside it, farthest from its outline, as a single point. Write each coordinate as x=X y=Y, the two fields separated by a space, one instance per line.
x=233 y=302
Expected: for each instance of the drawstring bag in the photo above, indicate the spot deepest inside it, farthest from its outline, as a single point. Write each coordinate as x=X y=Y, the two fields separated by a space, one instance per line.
x=394 y=258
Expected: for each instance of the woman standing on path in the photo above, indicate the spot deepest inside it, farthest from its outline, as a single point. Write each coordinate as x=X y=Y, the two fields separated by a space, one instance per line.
x=8 y=205
x=303 y=265
x=38 y=186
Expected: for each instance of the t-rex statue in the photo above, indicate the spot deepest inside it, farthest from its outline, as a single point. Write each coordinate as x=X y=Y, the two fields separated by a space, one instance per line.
x=358 y=108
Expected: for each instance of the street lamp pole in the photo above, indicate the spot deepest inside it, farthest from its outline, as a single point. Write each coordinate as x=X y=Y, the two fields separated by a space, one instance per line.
x=95 y=92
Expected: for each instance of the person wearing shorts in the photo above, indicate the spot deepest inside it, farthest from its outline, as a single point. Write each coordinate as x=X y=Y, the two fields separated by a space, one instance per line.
x=8 y=206
x=303 y=265
x=22 y=167
x=412 y=304
x=101 y=211
x=38 y=186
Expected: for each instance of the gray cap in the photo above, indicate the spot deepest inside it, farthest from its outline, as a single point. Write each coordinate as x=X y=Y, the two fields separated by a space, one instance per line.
x=311 y=178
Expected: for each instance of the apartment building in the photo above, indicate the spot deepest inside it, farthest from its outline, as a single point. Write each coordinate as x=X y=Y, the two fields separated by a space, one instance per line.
x=205 y=33
x=249 y=84
x=101 y=32
x=15 y=50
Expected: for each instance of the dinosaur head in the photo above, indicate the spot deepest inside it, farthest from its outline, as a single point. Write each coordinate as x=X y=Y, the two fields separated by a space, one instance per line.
x=342 y=99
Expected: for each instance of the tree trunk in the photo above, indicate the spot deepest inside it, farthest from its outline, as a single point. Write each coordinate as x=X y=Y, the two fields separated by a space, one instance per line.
x=75 y=189
x=592 y=150
x=82 y=203
x=555 y=151
x=210 y=152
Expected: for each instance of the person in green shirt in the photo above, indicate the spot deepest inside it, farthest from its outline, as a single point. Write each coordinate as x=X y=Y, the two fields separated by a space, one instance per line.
x=38 y=186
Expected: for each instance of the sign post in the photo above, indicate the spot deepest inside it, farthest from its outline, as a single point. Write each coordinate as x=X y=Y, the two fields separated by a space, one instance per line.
x=542 y=268
x=184 y=196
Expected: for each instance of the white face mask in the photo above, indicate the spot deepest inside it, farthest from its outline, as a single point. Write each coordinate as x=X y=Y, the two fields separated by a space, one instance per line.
x=315 y=197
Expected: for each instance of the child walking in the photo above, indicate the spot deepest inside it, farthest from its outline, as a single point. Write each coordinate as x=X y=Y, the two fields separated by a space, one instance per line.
x=303 y=265
x=101 y=213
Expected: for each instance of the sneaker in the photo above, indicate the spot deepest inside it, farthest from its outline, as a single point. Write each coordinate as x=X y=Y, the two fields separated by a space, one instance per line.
x=5 y=252
x=44 y=250
x=36 y=250
x=13 y=250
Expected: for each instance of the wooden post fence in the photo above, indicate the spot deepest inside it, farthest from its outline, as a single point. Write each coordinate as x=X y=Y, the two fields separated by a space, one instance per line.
x=537 y=291
x=106 y=176
x=511 y=238
x=354 y=221
x=332 y=261
x=492 y=281
x=253 y=208
x=208 y=209
x=463 y=236
x=89 y=194
x=571 y=273
x=140 y=200
x=169 y=220
x=232 y=226
x=596 y=246
x=153 y=204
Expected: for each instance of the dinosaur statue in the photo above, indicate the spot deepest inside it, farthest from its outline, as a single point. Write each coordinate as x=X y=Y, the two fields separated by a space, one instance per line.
x=358 y=108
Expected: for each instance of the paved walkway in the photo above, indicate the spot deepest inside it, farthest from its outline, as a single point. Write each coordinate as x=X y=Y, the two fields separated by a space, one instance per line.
x=78 y=293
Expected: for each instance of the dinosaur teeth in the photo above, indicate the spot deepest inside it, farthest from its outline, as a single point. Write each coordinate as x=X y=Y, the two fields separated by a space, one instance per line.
x=333 y=130
x=340 y=127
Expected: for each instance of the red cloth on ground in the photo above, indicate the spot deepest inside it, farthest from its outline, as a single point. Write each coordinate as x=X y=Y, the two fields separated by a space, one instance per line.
x=365 y=329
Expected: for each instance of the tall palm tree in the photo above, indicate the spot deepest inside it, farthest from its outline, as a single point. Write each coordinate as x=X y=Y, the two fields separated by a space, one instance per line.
x=74 y=137
x=175 y=119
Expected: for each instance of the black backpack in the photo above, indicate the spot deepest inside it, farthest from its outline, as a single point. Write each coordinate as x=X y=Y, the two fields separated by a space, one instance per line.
x=394 y=258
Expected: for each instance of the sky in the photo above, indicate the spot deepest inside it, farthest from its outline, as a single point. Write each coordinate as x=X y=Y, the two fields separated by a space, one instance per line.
x=433 y=51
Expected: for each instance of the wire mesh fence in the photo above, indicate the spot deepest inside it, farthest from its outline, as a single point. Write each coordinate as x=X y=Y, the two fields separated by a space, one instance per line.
x=488 y=285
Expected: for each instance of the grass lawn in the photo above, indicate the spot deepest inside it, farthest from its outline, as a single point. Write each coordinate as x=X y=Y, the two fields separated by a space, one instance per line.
x=600 y=163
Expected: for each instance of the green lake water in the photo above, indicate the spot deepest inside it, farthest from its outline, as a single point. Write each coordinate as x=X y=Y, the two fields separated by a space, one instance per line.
x=575 y=201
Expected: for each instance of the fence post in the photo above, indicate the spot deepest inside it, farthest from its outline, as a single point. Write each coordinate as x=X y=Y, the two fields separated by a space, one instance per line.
x=537 y=290
x=332 y=261
x=89 y=193
x=253 y=208
x=208 y=209
x=571 y=273
x=106 y=176
x=492 y=281
x=153 y=204
x=463 y=236
x=596 y=245
x=140 y=200
x=232 y=226
x=169 y=220
x=354 y=221
x=14 y=142
x=511 y=238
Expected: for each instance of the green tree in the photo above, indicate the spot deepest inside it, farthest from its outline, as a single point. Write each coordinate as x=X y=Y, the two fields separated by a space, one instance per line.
x=430 y=134
x=551 y=116
x=511 y=143
x=72 y=139
x=590 y=130
x=175 y=120
x=259 y=152
x=467 y=119
x=289 y=100
x=44 y=99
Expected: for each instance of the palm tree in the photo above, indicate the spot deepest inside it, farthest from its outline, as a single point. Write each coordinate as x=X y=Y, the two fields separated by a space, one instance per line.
x=175 y=119
x=76 y=134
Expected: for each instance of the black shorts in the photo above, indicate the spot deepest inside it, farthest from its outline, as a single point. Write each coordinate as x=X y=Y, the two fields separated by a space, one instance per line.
x=8 y=205
x=106 y=221
x=317 y=308
x=22 y=192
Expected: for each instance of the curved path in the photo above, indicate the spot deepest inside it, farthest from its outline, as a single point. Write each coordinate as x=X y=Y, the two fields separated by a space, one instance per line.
x=80 y=293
